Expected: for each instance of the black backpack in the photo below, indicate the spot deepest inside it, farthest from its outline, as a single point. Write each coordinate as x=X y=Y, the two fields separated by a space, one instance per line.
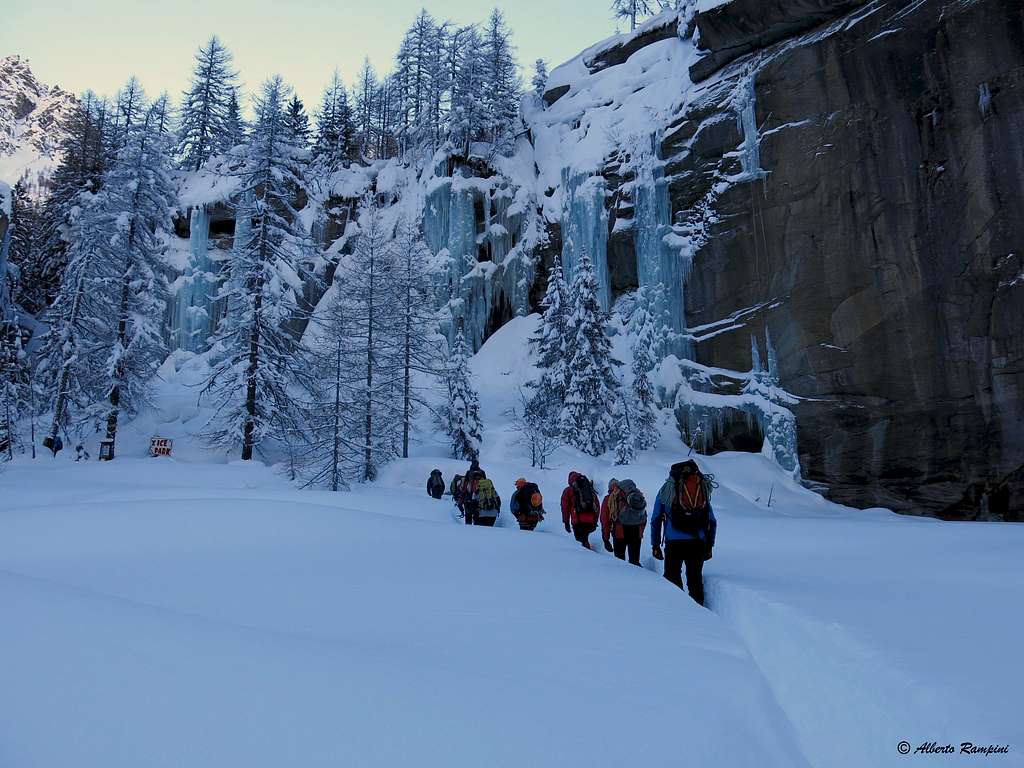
x=435 y=484
x=583 y=496
x=691 y=490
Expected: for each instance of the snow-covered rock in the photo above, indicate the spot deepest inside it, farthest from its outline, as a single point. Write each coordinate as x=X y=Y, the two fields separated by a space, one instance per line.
x=31 y=124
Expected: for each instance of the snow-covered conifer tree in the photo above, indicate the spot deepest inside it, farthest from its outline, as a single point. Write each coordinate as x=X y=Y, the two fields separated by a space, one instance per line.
x=501 y=78
x=366 y=111
x=259 y=365
x=333 y=144
x=592 y=391
x=540 y=77
x=136 y=200
x=205 y=105
x=645 y=418
x=234 y=125
x=366 y=280
x=468 y=110
x=551 y=342
x=463 y=412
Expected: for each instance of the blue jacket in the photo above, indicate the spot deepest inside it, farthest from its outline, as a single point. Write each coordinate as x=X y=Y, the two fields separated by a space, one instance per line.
x=660 y=518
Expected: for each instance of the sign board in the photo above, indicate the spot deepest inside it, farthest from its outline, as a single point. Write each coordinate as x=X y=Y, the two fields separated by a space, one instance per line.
x=160 y=446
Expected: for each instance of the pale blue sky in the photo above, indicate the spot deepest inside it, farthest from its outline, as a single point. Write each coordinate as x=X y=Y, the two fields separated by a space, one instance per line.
x=96 y=44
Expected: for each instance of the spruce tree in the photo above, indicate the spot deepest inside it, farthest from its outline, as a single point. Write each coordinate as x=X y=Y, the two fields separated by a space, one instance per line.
x=592 y=391
x=463 y=412
x=552 y=344
x=259 y=364
x=205 y=108
x=297 y=123
x=645 y=420
x=234 y=125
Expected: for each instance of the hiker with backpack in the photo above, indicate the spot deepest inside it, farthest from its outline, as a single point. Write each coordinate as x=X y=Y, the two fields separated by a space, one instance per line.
x=527 y=504
x=683 y=515
x=483 y=504
x=458 y=482
x=580 y=508
x=435 y=484
x=624 y=517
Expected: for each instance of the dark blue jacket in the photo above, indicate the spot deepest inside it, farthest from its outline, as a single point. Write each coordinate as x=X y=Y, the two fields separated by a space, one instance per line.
x=661 y=519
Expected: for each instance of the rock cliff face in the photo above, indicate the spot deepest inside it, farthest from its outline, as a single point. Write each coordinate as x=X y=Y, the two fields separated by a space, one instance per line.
x=876 y=232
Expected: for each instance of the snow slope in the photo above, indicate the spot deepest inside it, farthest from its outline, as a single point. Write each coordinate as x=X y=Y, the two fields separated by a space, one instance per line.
x=195 y=611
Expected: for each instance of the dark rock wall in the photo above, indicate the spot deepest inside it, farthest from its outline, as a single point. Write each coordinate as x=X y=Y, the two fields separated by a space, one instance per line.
x=889 y=230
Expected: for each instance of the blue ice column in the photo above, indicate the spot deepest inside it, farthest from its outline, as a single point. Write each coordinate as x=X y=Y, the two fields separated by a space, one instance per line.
x=585 y=228
x=777 y=422
x=191 y=319
x=661 y=269
x=746 y=118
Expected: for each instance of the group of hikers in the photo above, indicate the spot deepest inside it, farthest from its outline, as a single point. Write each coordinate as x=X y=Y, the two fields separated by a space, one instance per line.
x=683 y=524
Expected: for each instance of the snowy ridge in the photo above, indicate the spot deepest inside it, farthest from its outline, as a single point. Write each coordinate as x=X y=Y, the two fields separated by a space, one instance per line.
x=31 y=118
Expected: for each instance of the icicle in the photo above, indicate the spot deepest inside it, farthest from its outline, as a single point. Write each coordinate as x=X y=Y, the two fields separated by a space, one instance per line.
x=192 y=317
x=750 y=149
x=585 y=227
x=755 y=355
x=659 y=265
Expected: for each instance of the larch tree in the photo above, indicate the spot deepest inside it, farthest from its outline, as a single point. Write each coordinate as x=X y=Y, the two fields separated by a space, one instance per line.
x=259 y=367
x=417 y=336
x=206 y=105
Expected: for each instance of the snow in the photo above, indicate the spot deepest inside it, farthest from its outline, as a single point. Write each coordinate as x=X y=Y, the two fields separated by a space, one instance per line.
x=5 y=199
x=200 y=611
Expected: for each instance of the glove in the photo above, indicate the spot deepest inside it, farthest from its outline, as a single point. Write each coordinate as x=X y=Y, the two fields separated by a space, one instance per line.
x=567 y=528
x=658 y=554
x=707 y=554
x=607 y=545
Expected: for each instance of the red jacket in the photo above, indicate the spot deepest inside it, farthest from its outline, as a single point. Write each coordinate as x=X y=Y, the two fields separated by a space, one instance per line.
x=569 y=511
x=606 y=519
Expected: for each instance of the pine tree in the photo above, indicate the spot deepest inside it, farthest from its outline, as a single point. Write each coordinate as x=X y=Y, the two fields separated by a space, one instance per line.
x=540 y=77
x=260 y=363
x=234 y=125
x=463 y=412
x=587 y=422
x=626 y=442
x=418 y=331
x=205 y=106
x=297 y=123
x=15 y=384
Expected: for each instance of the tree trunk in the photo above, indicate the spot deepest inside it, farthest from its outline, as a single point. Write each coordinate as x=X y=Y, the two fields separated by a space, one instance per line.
x=251 y=375
x=336 y=456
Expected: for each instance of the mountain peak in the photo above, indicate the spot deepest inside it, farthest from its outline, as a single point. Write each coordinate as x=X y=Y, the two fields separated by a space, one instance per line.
x=31 y=123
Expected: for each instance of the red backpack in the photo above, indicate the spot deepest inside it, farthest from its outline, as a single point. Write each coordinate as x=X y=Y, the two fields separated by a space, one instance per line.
x=689 y=512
